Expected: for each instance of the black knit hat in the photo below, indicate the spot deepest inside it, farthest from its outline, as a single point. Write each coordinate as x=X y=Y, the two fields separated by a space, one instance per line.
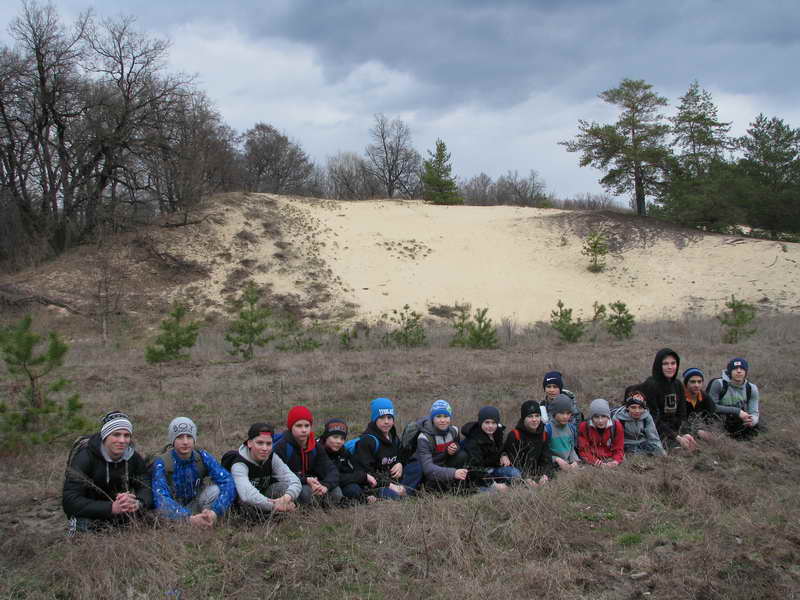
x=528 y=408
x=488 y=412
x=334 y=427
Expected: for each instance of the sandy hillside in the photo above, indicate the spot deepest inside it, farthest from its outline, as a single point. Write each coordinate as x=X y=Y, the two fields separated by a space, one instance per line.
x=341 y=260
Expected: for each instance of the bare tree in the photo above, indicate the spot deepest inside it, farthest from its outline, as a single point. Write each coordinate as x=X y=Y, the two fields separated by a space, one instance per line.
x=518 y=191
x=479 y=190
x=391 y=157
x=350 y=178
x=272 y=162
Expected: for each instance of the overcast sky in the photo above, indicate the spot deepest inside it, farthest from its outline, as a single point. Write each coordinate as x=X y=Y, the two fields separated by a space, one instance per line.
x=501 y=82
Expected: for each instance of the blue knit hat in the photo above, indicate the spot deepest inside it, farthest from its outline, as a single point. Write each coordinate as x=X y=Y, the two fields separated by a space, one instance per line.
x=691 y=372
x=553 y=377
x=379 y=408
x=441 y=407
x=736 y=362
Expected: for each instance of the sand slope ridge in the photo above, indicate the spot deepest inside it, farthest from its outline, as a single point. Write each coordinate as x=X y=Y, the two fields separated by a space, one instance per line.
x=342 y=261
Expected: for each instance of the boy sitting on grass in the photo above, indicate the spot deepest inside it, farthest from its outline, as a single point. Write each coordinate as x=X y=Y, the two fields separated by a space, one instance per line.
x=264 y=484
x=527 y=447
x=700 y=409
x=297 y=447
x=483 y=444
x=736 y=399
x=438 y=454
x=178 y=474
x=601 y=439
x=562 y=434
x=378 y=450
x=553 y=384
x=353 y=479
x=106 y=482
x=641 y=435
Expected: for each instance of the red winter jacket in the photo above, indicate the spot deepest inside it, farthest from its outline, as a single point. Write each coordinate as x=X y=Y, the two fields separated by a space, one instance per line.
x=596 y=446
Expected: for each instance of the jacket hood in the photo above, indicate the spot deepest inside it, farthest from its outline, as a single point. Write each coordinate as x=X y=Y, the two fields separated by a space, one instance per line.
x=524 y=430
x=428 y=427
x=624 y=415
x=726 y=377
x=372 y=429
x=96 y=446
x=658 y=372
x=244 y=452
x=473 y=429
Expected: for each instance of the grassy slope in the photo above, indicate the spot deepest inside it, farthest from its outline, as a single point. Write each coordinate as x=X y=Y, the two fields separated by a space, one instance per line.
x=722 y=524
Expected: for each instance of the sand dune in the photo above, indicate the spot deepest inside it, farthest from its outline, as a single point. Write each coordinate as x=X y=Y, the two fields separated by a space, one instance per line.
x=356 y=260
x=520 y=261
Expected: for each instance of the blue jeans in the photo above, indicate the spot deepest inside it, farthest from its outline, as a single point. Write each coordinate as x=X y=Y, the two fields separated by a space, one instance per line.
x=504 y=474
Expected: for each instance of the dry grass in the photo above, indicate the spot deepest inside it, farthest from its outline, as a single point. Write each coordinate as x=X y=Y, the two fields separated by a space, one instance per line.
x=720 y=524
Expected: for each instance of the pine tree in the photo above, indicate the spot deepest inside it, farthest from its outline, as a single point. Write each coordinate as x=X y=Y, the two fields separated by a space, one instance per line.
x=698 y=132
x=632 y=151
x=439 y=186
x=250 y=328
x=173 y=338
x=41 y=413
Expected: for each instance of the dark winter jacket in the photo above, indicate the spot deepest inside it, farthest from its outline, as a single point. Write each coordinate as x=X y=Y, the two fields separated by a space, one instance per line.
x=529 y=451
x=666 y=398
x=596 y=446
x=92 y=482
x=311 y=461
x=349 y=469
x=377 y=457
x=700 y=410
x=484 y=452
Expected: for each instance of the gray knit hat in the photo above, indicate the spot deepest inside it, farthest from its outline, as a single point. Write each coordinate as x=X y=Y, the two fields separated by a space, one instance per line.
x=179 y=426
x=561 y=404
x=599 y=407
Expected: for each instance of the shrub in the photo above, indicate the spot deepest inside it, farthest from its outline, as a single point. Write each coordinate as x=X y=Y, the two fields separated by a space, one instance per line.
x=596 y=247
x=477 y=332
x=409 y=332
x=296 y=338
x=736 y=319
x=561 y=320
x=43 y=410
x=600 y=312
x=250 y=328
x=173 y=338
x=620 y=322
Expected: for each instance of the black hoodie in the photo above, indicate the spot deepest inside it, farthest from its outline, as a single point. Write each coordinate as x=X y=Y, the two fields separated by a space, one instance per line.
x=378 y=458
x=529 y=451
x=484 y=452
x=92 y=483
x=666 y=398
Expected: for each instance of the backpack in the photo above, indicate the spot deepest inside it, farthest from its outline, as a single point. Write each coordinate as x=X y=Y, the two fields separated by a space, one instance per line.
x=79 y=444
x=350 y=445
x=290 y=447
x=226 y=460
x=169 y=463
x=518 y=434
x=725 y=385
x=409 y=437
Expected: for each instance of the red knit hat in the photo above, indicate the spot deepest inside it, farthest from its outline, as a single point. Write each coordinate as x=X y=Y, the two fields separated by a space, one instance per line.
x=298 y=413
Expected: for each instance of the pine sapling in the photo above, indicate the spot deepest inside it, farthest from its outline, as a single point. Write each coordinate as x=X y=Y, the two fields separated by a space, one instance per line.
x=175 y=336
x=250 y=329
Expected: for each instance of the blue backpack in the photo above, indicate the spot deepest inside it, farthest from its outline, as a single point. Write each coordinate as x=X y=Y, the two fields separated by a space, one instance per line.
x=350 y=445
x=290 y=447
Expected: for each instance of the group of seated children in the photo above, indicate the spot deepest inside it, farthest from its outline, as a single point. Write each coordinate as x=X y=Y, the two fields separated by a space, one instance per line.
x=109 y=483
